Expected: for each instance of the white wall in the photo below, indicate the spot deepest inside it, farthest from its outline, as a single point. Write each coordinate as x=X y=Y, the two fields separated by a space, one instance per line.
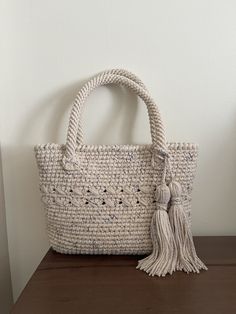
x=6 y=299
x=184 y=50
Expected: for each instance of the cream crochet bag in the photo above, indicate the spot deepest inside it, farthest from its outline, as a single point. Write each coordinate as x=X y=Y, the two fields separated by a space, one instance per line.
x=120 y=199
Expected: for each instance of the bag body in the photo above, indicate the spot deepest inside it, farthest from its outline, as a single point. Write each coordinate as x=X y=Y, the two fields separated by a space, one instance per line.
x=120 y=199
x=106 y=206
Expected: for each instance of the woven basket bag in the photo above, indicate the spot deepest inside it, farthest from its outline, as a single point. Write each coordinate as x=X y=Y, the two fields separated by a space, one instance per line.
x=120 y=199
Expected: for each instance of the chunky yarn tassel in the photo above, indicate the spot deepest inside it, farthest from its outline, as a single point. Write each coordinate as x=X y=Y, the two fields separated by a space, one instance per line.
x=187 y=257
x=163 y=258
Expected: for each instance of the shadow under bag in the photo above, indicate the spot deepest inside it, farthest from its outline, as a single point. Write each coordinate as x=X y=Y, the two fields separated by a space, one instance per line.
x=120 y=199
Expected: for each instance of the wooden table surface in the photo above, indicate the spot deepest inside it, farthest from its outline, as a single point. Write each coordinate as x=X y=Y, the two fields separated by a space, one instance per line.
x=111 y=284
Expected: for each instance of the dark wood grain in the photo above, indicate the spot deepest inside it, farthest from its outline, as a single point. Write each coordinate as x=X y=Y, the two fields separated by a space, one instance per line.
x=111 y=284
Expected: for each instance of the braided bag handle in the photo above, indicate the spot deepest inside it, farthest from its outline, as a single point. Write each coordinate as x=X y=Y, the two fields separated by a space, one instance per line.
x=120 y=72
x=70 y=161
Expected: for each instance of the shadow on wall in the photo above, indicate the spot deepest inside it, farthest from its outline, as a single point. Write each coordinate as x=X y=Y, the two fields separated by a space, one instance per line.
x=123 y=105
x=6 y=298
x=28 y=239
x=214 y=187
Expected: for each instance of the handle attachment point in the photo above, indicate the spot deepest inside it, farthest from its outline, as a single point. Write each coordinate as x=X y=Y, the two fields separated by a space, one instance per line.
x=70 y=163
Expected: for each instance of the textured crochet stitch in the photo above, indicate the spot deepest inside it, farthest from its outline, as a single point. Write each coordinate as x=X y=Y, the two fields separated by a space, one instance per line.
x=100 y=199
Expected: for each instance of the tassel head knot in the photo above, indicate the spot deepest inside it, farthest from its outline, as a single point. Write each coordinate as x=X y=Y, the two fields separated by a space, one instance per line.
x=176 y=193
x=175 y=190
x=162 y=196
x=176 y=201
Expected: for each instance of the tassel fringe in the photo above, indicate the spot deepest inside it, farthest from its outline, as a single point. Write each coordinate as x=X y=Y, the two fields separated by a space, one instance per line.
x=163 y=258
x=187 y=259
